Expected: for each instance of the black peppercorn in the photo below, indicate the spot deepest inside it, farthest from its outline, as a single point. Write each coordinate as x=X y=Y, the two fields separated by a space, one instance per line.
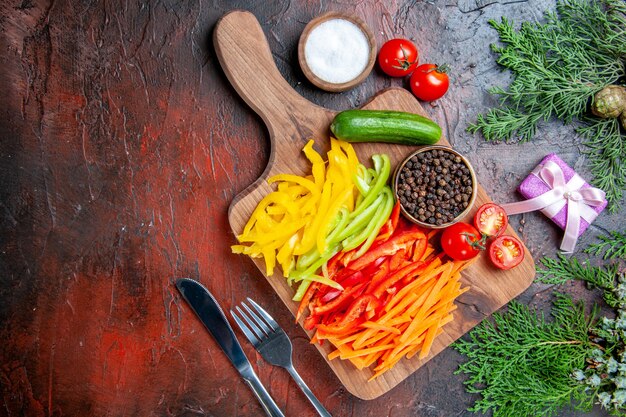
x=435 y=186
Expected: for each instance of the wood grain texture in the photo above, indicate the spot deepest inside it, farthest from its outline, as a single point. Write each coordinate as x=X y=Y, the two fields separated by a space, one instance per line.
x=238 y=37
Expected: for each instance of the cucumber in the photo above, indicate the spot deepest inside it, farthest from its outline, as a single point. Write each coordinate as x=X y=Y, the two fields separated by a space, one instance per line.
x=385 y=126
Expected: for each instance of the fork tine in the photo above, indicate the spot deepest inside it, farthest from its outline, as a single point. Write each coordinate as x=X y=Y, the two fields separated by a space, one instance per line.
x=269 y=319
x=258 y=319
x=246 y=331
x=258 y=332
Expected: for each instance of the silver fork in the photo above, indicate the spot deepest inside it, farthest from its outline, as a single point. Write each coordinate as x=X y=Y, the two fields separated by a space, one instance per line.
x=271 y=341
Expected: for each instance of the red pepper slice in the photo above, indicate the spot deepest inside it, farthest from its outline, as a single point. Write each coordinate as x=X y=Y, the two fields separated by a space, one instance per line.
x=395 y=216
x=330 y=295
x=333 y=264
x=380 y=274
x=374 y=268
x=346 y=296
x=347 y=257
x=398 y=259
x=356 y=313
x=419 y=249
x=390 y=225
x=397 y=276
x=351 y=278
x=306 y=298
x=388 y=248
x=311 y=321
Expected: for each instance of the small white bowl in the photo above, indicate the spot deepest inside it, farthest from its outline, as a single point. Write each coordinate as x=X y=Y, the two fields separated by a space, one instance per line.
x=326 y=85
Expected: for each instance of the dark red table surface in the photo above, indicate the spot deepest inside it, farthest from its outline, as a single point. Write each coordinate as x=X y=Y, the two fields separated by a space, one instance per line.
x=122 y=146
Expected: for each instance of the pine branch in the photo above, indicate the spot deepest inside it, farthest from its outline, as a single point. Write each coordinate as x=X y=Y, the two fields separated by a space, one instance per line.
x=607 y=156
x=500 y=124
x=558 y=67
x=520 y=363
x=559 y=271
x=613 y=246
x=524 y=365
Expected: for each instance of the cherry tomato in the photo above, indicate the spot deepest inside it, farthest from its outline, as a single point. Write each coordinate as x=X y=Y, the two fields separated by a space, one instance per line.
x=429 y=82
x=398 y=57
x=491 y=220
x=506 y=252
x=461 y=241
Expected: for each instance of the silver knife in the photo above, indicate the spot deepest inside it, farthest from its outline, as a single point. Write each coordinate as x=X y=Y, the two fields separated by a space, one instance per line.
x=212 y=316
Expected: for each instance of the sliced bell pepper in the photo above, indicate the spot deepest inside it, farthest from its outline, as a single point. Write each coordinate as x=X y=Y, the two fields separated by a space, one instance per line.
x=356 y=313
x=353 y=160
x=378 y=222
x=390 y=226
x=388 y=248
x=362 y=220
x=330 y=295
x=296 y=179
x=308 y=295
x=302 y=288
x=351 y=279
x=344 y=299
x=398 y=259
x=310 y=322
x=332 y=213
x=410 y=269
x=318 y=167
x=381 y=161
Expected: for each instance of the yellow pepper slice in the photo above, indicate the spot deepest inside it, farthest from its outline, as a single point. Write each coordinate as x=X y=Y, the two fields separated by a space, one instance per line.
x=330 y=215
x=297 y=218
x=306 y=183
x=318 y=166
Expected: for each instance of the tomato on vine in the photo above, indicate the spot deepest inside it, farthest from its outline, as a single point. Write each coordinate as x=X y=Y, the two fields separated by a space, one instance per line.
x=461 y=241
x=398 y=57
x=429 y=82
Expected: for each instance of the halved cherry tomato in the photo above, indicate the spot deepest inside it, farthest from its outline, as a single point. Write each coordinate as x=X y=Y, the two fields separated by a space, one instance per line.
x=461 y=241
x=491 y=220
x=398 y=57
x=506 y=252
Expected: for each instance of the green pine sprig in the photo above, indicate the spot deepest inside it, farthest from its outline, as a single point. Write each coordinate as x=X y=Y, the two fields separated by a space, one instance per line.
x=558 y=67
x=520 y=363
x=524 y=365
x=559 y=271
x=613 y=246
x=606 y=151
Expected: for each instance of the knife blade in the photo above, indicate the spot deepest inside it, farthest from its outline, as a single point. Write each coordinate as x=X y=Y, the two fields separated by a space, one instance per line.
x=211 y=315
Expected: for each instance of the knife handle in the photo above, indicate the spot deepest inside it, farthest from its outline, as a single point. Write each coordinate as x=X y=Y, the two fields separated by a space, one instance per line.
x=263 y=396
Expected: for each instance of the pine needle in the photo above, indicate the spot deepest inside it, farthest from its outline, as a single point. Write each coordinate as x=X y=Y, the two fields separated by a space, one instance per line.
x=559 y=271
x=520 y=364
x=606 y=150
x=558 y=67
x=613 y=246
x=524 y=365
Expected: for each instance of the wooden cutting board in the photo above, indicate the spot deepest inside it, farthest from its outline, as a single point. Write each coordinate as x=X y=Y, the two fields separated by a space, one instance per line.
x=292 y=120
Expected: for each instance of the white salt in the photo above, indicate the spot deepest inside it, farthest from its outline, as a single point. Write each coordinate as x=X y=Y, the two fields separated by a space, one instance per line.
x=337 y=51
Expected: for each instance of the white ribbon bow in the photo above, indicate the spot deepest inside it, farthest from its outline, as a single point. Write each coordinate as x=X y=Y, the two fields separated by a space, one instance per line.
x=578 y=200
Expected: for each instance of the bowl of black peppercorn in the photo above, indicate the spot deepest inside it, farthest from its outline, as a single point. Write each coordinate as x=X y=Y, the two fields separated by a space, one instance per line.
x=436 y=186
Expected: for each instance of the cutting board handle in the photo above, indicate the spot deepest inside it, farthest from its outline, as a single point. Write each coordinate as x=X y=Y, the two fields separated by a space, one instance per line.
x=245 y=56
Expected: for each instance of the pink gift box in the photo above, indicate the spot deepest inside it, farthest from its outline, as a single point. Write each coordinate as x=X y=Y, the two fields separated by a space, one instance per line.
x=533 y=186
